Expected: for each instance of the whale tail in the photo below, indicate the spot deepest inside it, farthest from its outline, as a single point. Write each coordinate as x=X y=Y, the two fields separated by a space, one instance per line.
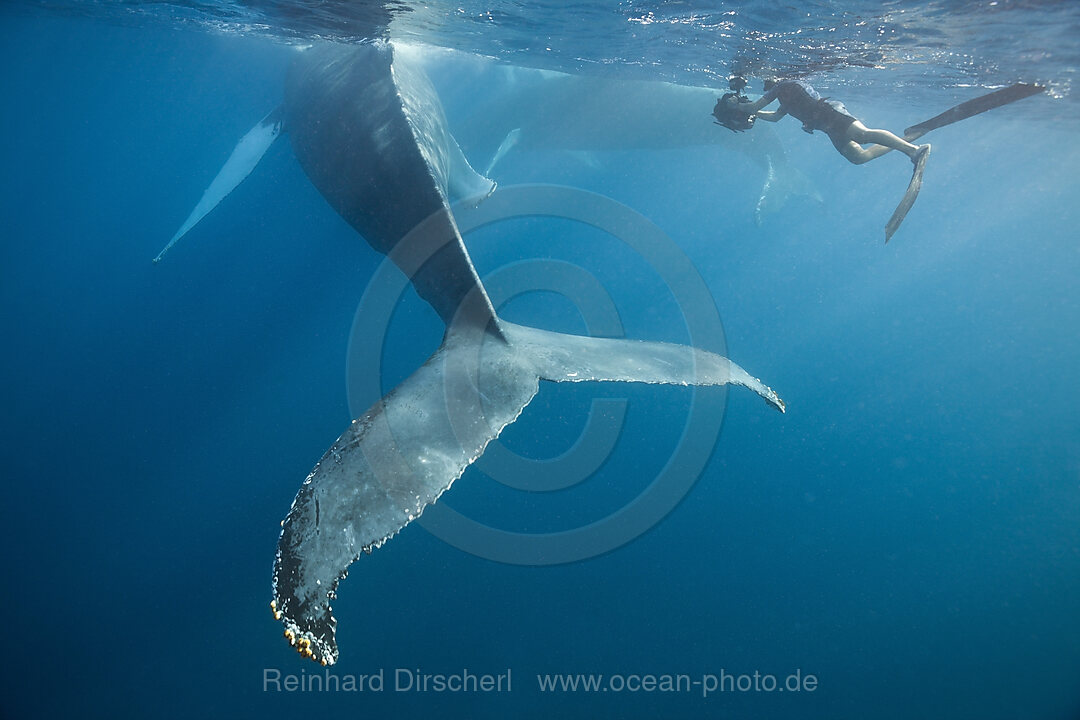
x=245 y=156
x=369 y=131
x=411 y=445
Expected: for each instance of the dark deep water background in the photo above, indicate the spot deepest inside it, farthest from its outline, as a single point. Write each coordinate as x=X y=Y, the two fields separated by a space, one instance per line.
x=909 y=532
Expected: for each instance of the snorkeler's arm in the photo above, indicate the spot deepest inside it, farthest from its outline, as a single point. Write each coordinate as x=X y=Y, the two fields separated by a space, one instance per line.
x=763 y=101
x=771 y=115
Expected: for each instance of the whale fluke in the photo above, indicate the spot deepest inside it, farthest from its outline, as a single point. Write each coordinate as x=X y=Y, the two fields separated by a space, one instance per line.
x=410 y=447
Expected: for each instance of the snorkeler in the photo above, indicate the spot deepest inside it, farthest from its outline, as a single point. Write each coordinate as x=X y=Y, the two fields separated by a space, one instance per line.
x=737 y=112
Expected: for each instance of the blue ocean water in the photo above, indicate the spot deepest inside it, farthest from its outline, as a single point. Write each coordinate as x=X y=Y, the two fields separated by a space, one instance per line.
x=908 y=532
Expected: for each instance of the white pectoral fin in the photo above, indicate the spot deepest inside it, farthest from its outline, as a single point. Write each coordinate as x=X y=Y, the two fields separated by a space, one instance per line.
x=586 y=158
x=505 y=146
x=782 y=182
x=464 y=182
x=245 y=156
x=765 y=200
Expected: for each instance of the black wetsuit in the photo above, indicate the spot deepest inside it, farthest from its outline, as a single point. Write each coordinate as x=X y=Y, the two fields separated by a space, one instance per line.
x=802 y=102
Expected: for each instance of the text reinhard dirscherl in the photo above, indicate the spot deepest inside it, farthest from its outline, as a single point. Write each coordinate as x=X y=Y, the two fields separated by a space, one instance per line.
x=402 y=680
x=467 y=681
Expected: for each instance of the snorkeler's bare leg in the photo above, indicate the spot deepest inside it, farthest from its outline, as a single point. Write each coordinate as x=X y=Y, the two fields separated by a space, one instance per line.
x=865 y=136
x=884 y=141
x=858 y=155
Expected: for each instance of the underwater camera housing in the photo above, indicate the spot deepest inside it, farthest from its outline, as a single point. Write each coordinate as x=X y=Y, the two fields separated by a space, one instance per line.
x=730 y=118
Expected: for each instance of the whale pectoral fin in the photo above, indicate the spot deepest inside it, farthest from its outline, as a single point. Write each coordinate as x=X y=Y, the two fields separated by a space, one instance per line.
x=512 y=138
x=390 y=464
x=245 y=156
x=573 y=358
x=586 y=158
x=464 y=182
x=781 y=184
x=765 y=200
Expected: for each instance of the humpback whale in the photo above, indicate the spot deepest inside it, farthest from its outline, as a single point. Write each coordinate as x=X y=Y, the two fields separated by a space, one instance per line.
x=544 y=110
x=527 y=109
x=370 y=133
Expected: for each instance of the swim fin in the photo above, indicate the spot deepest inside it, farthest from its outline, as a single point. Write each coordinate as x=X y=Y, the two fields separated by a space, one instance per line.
x=964 y=110
x=909 y=196
x=967 y=109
